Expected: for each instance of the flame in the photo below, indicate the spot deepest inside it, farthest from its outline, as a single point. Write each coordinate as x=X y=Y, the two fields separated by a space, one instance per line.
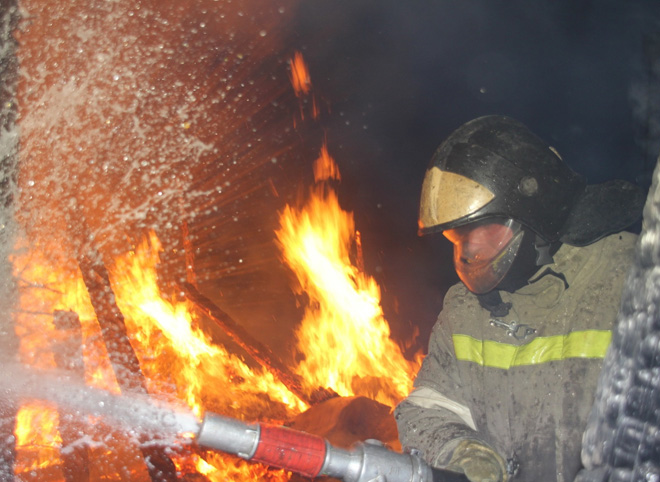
x=221 y=469
x=180 y=362
x=325 y=167
x=40 y=448
x=300 y=75
x=166 y=333
x=344 y=336
x=43 y=290
x=302 y=84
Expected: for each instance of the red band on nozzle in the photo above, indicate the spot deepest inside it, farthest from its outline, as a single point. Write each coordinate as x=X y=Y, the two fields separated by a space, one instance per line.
x=299 y=452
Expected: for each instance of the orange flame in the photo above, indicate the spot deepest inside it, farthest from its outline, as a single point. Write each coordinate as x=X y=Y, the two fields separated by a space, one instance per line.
x=43 y=289
x=40 y=448
x=222 y=469
x=344 y=335
x=179 y=361
x=300 y=75
x=325 y=167
x=166 y=335
x=302 y=84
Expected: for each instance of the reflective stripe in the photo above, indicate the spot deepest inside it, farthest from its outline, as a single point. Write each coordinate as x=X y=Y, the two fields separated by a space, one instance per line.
x=579 y=344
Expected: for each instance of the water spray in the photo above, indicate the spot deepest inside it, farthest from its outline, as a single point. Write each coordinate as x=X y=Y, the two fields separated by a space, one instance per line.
x=159 y=422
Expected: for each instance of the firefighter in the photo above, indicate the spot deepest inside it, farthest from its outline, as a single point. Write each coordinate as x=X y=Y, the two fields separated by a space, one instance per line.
x=514 y=357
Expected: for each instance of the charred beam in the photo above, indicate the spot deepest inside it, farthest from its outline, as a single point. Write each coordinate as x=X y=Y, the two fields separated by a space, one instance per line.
x=124 y=361
x=259 y=352
x=122 y=357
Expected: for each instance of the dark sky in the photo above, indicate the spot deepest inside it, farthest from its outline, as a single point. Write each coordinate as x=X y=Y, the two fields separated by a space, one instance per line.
x=400 y=76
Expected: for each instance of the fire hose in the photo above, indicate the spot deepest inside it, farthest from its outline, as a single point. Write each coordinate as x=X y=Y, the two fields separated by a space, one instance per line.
x=313 y=456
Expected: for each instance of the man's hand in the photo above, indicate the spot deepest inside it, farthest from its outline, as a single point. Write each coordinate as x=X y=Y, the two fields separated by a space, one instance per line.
x=478 y=462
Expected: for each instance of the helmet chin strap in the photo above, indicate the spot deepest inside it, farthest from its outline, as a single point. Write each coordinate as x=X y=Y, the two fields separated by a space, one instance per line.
x=492 y=302
x=534 y=252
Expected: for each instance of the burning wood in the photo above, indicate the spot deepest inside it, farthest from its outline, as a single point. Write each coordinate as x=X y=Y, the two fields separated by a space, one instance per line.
x=122 y=356
x=259 y=352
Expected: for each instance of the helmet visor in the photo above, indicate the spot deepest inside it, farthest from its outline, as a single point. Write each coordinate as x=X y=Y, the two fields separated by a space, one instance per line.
x=448 y=197
x=484 y=252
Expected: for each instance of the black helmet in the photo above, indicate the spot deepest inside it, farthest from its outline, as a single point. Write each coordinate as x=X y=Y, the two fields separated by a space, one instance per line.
x=494 y=167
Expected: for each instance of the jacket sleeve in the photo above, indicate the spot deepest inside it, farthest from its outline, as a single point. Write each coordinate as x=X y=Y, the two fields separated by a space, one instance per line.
x=435 y=417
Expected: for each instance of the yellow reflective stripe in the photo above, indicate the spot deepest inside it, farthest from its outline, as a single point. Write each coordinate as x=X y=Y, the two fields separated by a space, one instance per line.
x=579 y=344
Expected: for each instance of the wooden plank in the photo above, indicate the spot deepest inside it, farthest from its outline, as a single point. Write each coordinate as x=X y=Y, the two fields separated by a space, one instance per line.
x=257 y=350
x=123 y=359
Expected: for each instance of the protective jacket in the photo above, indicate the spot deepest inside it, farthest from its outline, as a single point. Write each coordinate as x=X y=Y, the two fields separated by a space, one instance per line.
x=524 y=383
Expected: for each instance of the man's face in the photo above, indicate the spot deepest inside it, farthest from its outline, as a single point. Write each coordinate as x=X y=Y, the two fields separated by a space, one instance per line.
x=484 y=252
